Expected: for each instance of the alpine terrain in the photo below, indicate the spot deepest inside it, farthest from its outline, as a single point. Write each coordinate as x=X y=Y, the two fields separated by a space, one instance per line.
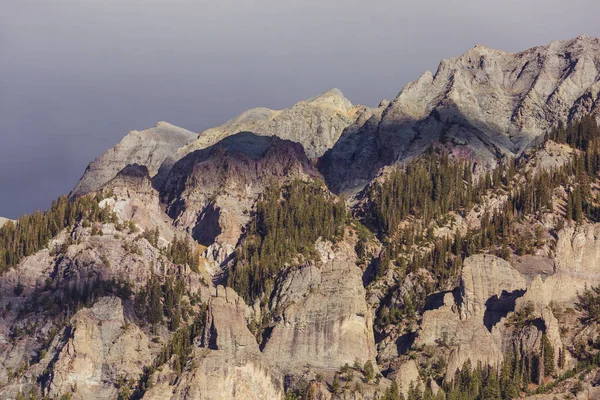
x=443 y=245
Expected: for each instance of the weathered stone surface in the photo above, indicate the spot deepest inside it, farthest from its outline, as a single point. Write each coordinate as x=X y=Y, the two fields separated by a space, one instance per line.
x=149 y=148
x=481 y=104
x=325 y=322
x=316 y=123
x=211 y=191
x=405 y=375
x=219 y=376
x=228 y=366
x=133 y=198
x=482 y=277
x=462 y=327
x=99 y=350
x=577 y=265
x=226 y=327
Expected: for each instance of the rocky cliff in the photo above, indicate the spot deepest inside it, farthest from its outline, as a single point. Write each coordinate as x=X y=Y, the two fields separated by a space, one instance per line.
x=316 y=123
x=130 y=300
x=150 y=148
x=481 y=104
x=210 y=192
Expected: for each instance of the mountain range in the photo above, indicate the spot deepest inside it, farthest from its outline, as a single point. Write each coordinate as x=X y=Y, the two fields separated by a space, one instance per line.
x=442 y=244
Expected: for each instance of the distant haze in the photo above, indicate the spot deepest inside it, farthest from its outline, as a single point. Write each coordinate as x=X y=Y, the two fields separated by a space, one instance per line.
x=76 y=76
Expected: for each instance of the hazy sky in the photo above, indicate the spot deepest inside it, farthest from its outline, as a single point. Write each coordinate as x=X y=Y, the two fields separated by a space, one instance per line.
x=76 y=76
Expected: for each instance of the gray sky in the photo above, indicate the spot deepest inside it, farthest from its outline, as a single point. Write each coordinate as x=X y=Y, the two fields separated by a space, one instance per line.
x=76 y=76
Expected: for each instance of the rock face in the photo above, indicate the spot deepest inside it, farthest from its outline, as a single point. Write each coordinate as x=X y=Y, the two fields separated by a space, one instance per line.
x=461 y=325
x=150 y=148
x=405 y=375
x=100 y=349
x=211 y=191
x=481 y=104
x=228 y=366
x=326 y=322
x=577 y=265
x=316 y=123
x=483 y=277
x=133 y=198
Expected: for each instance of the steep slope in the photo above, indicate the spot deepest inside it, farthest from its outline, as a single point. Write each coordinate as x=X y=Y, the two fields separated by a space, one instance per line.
x=150 y=148
x=114 y=307
x=482 y=104
x=210 y=192
x=316 y=123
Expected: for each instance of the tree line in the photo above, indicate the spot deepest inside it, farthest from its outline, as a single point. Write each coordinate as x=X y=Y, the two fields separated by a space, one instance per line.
x=287 y=223
x=32 y=232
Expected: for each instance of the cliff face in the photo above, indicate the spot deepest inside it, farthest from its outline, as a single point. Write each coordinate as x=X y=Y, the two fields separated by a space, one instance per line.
x=481 y=104
x=325 y=321
x=463 y=324
x=99 y=350
x=211 y=191
x=316 y=123
x=150 y=148
x=228 y=366
x=74 y=316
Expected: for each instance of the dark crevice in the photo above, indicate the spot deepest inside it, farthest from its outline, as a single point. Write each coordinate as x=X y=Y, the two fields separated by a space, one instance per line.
x=497 y=308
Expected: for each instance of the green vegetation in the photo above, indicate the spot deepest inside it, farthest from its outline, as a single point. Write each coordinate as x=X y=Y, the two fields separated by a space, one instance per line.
x=588 y=303
x=287 y=223
x=181 y=252
x=406 y=208
x=156 y=302
x=547 y=355
x=32 y=233
x=427 y=188
x=178 y=353
x=521 y=318
x=72 y=296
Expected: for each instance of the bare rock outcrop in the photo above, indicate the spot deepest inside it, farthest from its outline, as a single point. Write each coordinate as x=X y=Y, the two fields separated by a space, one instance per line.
x=406 y=375
x=325 y=322
x=229 y=365
x=484 y=276
x=100 y=349
x=465 y=326
x=150 y=148
x=577 y=265
x=226 y=326
x=316 y=123
x=481 y=104
x=211 y=191
x=133 y=198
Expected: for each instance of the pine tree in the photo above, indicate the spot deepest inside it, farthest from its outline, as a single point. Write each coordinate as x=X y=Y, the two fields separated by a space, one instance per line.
x=548 y=356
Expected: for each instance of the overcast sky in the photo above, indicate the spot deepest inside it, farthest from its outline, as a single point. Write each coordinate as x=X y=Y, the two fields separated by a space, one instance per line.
x=76 y=76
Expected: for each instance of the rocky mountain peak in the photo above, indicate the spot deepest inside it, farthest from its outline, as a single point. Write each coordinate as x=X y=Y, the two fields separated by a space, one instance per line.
x=333 y=99
x=149 y=147
x=483 y=104
x=315 y=123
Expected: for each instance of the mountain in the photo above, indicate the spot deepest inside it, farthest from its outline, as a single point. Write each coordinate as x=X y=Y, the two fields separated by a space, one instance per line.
x=316 y=123
x=150 y=147
x=443 y=245
x=483 y=104
x=211 y=191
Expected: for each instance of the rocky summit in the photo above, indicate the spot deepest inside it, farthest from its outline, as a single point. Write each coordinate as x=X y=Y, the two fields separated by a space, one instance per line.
x=443 y=245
